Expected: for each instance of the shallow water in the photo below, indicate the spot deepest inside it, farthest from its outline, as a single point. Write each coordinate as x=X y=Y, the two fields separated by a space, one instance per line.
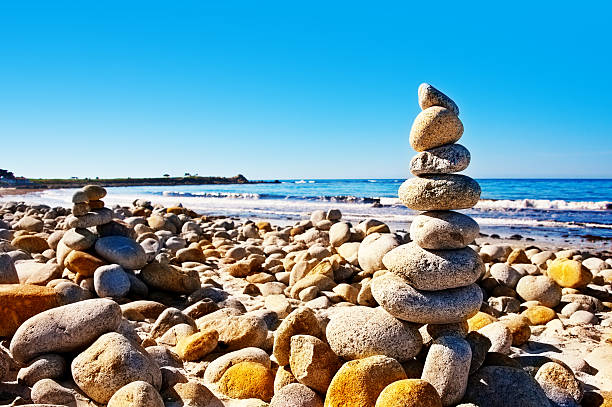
x=560 y=210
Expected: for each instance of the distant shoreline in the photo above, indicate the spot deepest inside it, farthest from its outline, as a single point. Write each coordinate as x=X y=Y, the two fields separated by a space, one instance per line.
x=42 y=184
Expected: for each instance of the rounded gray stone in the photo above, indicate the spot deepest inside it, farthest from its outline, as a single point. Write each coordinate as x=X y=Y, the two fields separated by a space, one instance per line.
x=50 y=366
x=443 y=230
x=430 y=96
x=539 y=288
x=296 y=395
x=447 y=367
x=439 y=192
x=358 y=332
x=434 y=270
x=65 y=329
x=445 y=159
x=121 y=250
x=111 y=281
x=8 y=272
x=434 y=127
x=110 y=363
x=405 y=302
x=94 y=218
x=501 y=386
x=505 y=274
x=79 y=239
x=499 y=335
x=373 y=248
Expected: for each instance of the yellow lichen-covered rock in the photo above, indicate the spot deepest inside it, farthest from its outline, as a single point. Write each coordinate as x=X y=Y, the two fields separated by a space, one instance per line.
x=569 y=273
x=177 y=210
x=198 y=345
x=359 y=382
x=19 y=302
x=247 y=380
x=409 y=393
x=518 y=256
x=518 y=326
x=30 y=243
x=480 y=320
x=82 y=263
x=539 y=314
x=265 y=226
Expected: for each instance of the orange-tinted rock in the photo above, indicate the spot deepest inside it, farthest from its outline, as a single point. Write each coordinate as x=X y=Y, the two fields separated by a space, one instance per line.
x=82 y=263
x=19 y=302
x=30 y=243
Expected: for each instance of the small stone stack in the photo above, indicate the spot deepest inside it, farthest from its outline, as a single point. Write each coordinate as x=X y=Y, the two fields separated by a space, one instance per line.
x=88 y=208
x=432 y=279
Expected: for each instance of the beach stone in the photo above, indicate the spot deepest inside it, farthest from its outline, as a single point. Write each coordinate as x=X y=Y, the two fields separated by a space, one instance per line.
x=136 y=394
x=439 y=192
x=595 y=264
x=445 y=159
x=248 y=380
x=296 y=395
x=80 y=209
x=555 y=378
x=360 y=382
x=30 y=243
x=65 y=329
x=405 y=302
x=480 y=346
x=122 y=251
x=339 y=233
x=32 y=272
x=359 y=332
x=216 y=368
x=312 y=362
x=302 y=321
x=479 y=320
x=19 y=302
x=569 y=273
x=434 y=270
x=539 y=315
x=82 y=263
x=505 y=274
x=583 y=317
x=443 y=230
x=192 y=394
x=283 y=377
x=499 y=335
x=8 y=273
x=50 y=366
x=518 y=326
x=409 y=393
x=30 y=224
x=197 y=346
x=79 y=197
x=430 y=96
x=237 y=332
x=539 y=288
x=142 y=309
x=111 y=281
x=372 y=250
x=110 y=363
x=278 y=304
x=47 y=392
x=501 y=386
x=95 y=217
x=447 y=367
x=434 y=127
x=518 y=256
x=167 y=277
x=168 y=318
x=94 y=192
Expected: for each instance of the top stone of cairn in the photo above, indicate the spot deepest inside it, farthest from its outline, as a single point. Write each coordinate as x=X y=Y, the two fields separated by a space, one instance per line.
x=438 y=123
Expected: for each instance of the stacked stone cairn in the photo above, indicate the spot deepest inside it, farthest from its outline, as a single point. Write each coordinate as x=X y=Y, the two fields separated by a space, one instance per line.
x=432 y=278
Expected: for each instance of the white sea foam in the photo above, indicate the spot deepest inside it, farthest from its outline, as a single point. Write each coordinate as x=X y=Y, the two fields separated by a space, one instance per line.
x=544 y=204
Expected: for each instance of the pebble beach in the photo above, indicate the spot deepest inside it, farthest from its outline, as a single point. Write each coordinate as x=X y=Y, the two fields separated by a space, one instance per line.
x=155 y=305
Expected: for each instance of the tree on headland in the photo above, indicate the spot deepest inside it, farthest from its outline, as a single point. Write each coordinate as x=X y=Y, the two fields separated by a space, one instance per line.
x=187 y=174
x=166 y=175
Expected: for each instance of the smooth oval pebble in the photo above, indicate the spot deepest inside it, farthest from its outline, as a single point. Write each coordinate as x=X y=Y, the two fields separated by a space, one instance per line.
x=434 y=127
x=111 y=281
x=405 y=302
x=443 y=230
x=434 y=270
x=439 y=192
x=430 y=96
x=121 y=250
x=441 y=160
x=65 y=329
x=358 y=332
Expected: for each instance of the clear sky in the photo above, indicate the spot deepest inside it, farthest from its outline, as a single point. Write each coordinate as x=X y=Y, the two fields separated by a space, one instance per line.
x=311 y=90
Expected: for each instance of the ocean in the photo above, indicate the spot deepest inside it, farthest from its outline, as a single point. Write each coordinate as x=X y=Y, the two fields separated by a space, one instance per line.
x=572 y=211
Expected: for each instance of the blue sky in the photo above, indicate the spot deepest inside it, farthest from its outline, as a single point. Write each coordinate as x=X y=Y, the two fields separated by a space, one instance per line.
x=318 y=90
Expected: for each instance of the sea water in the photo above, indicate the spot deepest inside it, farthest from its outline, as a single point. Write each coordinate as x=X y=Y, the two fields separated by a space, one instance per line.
x=566 y=210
